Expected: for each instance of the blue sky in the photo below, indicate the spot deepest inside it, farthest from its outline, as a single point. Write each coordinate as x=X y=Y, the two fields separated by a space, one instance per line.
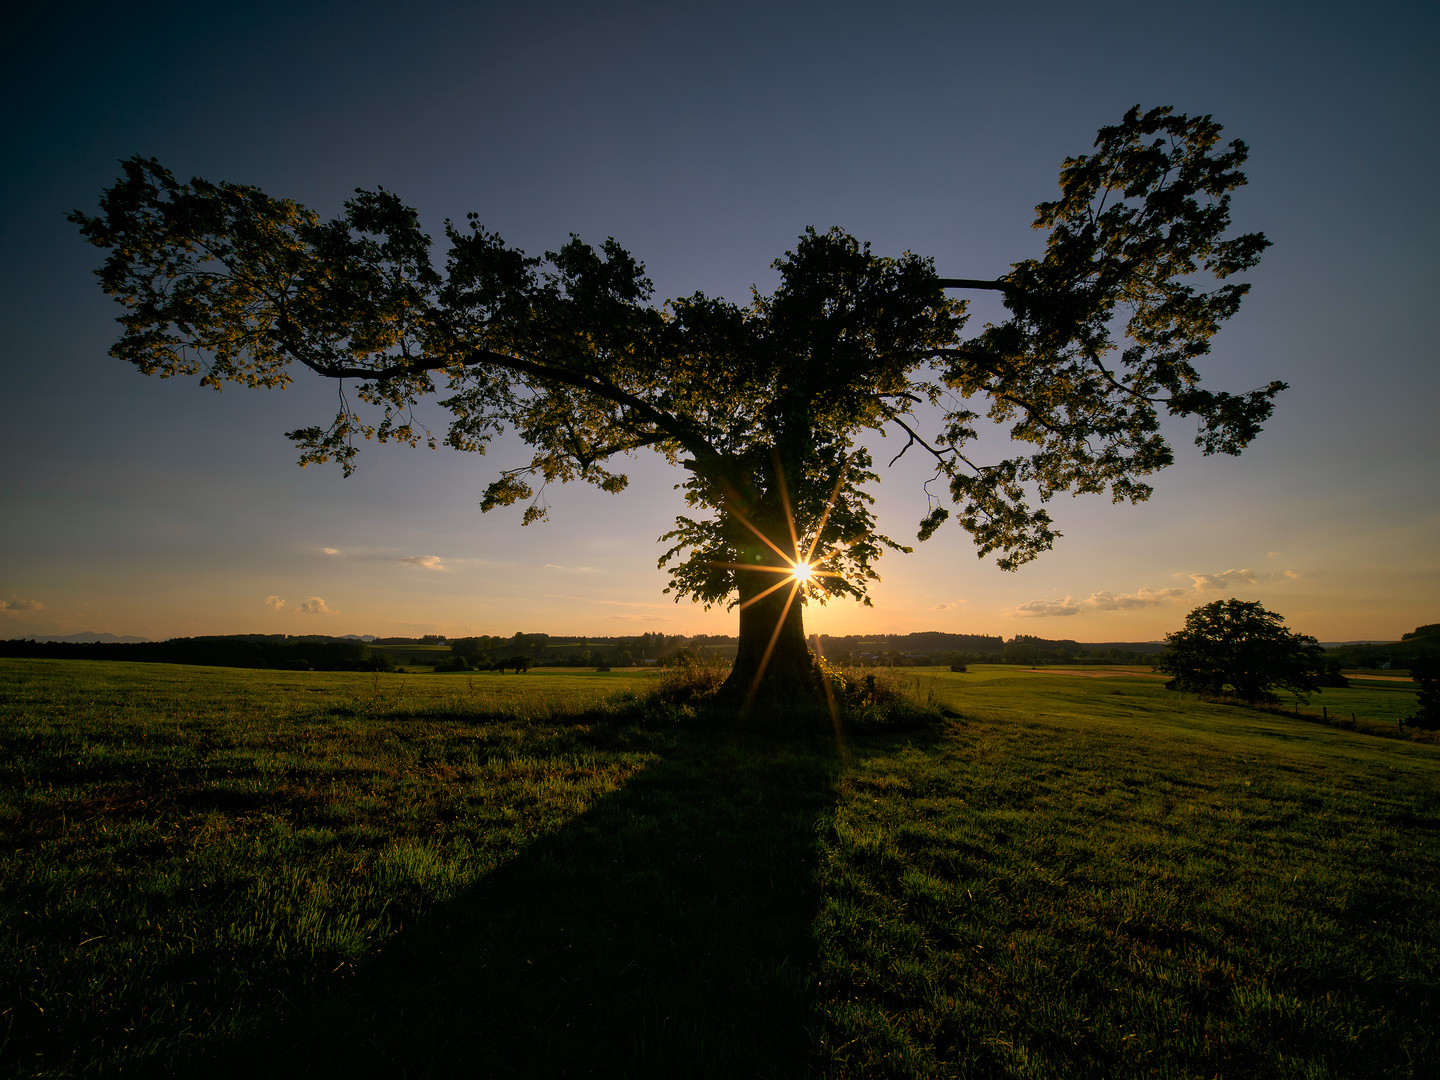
x=704 y=139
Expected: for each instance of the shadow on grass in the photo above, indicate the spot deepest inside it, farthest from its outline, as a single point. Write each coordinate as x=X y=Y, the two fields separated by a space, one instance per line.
x=664 y=932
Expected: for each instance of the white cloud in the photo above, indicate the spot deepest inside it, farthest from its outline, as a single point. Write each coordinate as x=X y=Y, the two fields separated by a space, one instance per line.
x=313 y=605
x=1099 y=601
x=1228 y=580
x=949 y=605
x=1108 y=601
x=425 y=562
x=275 y=602
x=331 y=551
x=14 y=607
x=1147 y=597
x=1036 y=609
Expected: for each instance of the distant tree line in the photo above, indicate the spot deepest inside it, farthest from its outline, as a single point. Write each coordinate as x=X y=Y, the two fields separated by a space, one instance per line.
x=546 y=651
x=309 y=653
x=518 y=662
x=930 y=647
x=1422 y=642
x=482 y=652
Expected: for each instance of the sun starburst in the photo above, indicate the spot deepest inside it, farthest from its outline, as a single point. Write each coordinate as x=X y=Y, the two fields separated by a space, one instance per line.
x=800 y=570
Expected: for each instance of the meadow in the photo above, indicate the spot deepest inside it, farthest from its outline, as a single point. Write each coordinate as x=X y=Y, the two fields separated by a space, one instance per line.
x=219 y=872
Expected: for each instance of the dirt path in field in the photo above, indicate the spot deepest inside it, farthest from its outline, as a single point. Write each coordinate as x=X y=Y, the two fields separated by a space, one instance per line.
x=1382 y=678
x=1109 y=674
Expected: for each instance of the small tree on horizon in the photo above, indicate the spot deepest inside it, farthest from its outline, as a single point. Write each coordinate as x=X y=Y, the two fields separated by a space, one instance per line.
x=762 y=404
x=1425 y=670
x=1238 y=644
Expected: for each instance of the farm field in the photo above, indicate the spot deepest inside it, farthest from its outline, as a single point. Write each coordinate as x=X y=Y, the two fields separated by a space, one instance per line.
x=1375 y=701
x=210 y=871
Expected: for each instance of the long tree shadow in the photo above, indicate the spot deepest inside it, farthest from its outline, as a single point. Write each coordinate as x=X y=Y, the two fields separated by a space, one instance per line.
x=664 y=932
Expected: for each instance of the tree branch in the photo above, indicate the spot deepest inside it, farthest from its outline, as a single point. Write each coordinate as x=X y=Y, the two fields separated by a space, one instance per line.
x=670 y=425
x=915 y=437
x=998 y=285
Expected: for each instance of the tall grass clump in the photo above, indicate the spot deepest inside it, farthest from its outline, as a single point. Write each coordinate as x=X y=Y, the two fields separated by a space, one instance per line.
x=850 y=698
x=692 y=682
x=880 y=698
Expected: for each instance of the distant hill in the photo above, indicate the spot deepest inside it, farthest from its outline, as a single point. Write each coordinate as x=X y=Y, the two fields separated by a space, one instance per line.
x=90 y=636
x=932 y=642
x=299 y=653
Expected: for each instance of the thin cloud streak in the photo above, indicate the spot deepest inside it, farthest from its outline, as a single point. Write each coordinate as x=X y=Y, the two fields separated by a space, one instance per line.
x=610 y=603
x=1201 y=584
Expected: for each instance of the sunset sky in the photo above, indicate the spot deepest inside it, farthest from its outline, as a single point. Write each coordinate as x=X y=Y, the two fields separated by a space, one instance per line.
x=705 y=139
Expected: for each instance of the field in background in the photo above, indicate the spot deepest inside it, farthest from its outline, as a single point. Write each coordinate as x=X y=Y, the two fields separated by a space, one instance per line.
x=1380 y=702
x=232 y=872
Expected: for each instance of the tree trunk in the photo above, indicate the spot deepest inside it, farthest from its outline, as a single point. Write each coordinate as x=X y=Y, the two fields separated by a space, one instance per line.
x=773 y=664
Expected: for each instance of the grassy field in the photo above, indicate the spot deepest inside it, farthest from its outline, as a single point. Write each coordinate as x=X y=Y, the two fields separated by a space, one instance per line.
x=211 y=871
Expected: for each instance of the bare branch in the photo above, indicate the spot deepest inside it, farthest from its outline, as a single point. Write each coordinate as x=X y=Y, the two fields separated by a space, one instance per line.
x=998 y=285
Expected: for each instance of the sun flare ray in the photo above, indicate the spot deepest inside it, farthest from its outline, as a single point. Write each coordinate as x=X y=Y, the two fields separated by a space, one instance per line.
x=753 y=566
x=763 y=538
x=761 y=596
x=770 y=648
x=785 y=502
x=829 y=505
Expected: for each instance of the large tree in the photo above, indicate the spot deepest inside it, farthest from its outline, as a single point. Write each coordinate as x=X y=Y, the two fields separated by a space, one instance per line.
x=763 y=405
x=1239 y=645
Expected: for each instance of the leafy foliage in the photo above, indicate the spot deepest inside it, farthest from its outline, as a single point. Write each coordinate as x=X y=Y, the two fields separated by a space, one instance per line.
x=1239 y=644
x=762 y=404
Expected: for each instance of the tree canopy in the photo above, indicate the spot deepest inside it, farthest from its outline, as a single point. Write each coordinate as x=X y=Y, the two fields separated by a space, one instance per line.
x=763 y=404
x=1238 y=644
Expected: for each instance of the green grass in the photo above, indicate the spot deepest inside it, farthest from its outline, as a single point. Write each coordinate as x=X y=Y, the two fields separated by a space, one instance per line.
x=210 y=871
x=1088 y=877
x=1374 y=701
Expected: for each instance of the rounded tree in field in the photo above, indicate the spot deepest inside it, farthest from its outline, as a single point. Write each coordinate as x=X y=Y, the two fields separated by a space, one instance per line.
x=763 y=405
x=1425 y=670
x=1240 y=645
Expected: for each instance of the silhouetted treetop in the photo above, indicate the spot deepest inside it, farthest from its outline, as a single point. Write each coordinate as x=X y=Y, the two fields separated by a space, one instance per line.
x=763 y=404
